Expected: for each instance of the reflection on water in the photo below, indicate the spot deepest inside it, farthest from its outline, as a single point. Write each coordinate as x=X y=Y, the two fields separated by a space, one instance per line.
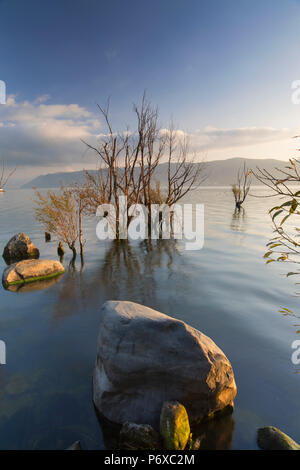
x=134 y=267
x=215 y=434
x=239 y=220
x=34 y=286
x=127 y=271
x=224 y=290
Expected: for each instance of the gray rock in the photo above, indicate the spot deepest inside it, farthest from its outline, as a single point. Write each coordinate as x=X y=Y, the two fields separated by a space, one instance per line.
x=31 y=270
x=139 y=437
x=20 y=247
x=271 y=438
x=75 y=446
x=146 y=358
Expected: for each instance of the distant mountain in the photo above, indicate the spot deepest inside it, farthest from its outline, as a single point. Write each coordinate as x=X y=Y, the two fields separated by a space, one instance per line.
x=218 y=172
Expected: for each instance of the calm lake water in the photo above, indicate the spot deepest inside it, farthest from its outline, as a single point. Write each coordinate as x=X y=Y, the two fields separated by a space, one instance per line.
x=225 y=290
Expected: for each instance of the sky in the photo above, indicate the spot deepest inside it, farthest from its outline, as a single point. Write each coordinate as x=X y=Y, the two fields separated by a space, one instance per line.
x=222 y=70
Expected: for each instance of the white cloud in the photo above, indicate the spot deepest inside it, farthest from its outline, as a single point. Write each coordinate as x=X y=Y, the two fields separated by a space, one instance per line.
x=40 y=134
x=36 y=133
x=212 y=138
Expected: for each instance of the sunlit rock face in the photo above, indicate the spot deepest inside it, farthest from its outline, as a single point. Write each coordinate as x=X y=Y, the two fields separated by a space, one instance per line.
x=146 y=358
x=28 y=271
x=18 y=248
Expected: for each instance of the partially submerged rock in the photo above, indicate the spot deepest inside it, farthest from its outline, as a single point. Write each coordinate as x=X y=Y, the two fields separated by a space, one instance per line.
x=34 y=286
x=174 y=426
x=146 y=358
x=271 y=438
x=30 y=271
x=60 y=249
x=139 y=437
x=20 y=247
x=75 y=446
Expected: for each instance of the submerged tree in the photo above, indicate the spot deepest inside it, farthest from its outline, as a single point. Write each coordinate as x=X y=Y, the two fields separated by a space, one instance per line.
x=129 y=161
x=242 y=186
x=4 y=175
x=60 y=214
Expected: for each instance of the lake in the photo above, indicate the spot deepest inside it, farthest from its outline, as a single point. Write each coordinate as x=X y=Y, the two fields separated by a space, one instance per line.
x=225 y=290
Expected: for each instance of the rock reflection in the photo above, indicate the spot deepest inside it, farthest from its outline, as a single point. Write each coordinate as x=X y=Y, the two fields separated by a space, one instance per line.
x=216 y=434
x=34 y=286
x=110 y=432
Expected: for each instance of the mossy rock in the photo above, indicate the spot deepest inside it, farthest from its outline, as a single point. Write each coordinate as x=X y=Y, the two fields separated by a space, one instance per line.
x=271 y=438
x=28 y=271
x=174 y=426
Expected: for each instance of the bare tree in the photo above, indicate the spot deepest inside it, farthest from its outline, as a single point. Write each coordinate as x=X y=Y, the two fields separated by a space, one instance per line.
x=4 y=176
x=59 y=214
x=241 y=188
x=129 y=161
x=184 y=174
x=94 y=188
x=81 y=194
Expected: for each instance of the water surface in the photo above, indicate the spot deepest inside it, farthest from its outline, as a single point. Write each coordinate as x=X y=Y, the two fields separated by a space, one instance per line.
x=225 y=290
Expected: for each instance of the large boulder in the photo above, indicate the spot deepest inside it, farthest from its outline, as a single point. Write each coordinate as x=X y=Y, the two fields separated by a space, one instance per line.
x=20 y=247
x=146 y=358
x=31 y=270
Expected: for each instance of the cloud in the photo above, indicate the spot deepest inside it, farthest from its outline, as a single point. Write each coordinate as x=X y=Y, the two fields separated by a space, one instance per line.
x=37 y=133
x=214 y=139
x=44 y=135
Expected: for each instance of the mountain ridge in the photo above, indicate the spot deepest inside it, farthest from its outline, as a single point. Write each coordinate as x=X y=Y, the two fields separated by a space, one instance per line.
x=219 y=172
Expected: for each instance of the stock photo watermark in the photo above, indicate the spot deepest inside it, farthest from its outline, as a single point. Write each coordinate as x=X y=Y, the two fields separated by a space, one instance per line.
x=296 y=354
x=2 y=353
x=2 y=92
x=137 y=222
x=295 y=97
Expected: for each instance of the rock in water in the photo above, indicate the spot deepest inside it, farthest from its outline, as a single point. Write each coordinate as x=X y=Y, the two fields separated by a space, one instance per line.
x=60 y=249
x=75 y=446
x=271 y=438
x=139 y=437
x=174 y=426
x=146 y=358
x=30 y=271
x=20 y=247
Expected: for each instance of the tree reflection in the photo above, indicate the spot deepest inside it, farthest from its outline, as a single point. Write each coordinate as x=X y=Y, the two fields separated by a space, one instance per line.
x=239 y=220
x=127 y=272
x=130 y=270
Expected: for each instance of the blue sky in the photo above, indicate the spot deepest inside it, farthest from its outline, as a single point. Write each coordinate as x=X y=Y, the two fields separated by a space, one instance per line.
x=222 y=69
